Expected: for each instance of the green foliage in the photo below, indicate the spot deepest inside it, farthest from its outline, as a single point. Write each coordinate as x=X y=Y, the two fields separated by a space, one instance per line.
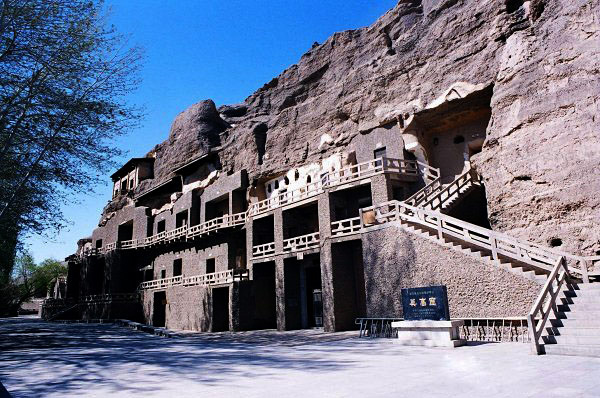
x=29 y=280
x=64 y=74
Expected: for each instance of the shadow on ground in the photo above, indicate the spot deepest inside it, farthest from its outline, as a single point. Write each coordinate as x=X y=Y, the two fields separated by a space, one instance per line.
x=80 y=353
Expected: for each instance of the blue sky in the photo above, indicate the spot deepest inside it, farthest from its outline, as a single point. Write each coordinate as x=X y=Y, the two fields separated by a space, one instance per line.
x=223 y=50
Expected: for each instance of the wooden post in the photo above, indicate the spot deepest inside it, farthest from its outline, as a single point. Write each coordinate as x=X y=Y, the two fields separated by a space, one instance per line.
x=439 y=228
x=584 y=271
x=494 y=244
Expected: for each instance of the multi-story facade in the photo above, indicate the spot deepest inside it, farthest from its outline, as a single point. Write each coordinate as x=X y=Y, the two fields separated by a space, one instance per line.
x=211 y=249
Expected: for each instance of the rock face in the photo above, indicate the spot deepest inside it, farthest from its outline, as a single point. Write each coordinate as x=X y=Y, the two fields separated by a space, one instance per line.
x=538 y=59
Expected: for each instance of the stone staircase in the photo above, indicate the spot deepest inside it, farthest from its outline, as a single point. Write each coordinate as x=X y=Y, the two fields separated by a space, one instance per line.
x=480 y=253
x=572 y=312
x=575 y=329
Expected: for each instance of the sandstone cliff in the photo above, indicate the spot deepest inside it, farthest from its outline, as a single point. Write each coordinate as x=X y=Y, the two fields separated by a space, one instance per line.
x=539 y=59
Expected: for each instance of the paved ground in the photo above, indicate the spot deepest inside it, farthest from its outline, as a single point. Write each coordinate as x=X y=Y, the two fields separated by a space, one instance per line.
x=39 y=359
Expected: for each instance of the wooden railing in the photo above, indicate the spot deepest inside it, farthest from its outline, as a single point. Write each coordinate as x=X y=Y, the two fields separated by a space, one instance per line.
x=498 y=243
x=545 y=304
x=225 y=221
x=103 y=298
x=162 y=283
x=428 y=172
x=213 y=278
x=110 y=247
x=129 y=244
x=299 y=243
x=176 y=233
x=346 y=227
x=267 y=249
x=423 y=195
x=436 y=199
x=331 y=179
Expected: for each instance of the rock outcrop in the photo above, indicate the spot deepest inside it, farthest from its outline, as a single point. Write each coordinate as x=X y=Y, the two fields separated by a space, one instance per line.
x=539 y=59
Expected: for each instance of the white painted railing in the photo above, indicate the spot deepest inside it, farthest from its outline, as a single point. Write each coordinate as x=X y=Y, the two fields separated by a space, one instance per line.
x=176 y=233
x=162 y=283
x=439 y=197
x=213 y=278
x=545 y=304
x=102 y=298
x=331 y=179
x=285 y=198
x=128 y=244
x=498 y=243
x=110 y=247
x=226 y=221
x=346 y=227
x=268 y=249
x=299 y=243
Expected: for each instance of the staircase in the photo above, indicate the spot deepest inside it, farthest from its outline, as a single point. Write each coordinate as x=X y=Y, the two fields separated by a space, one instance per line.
x=443 y=197
x=480 y=253
x=575 y=329
x=568 y=302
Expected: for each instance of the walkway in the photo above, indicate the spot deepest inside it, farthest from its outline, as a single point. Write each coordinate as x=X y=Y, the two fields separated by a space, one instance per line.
x=38 y=359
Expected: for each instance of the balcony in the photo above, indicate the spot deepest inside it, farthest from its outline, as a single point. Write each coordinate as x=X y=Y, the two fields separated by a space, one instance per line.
x=176 y=233
x=397 y=167
x=213 y=278
x=268 y=249
x=162 y=283
x=301 y=243
x=226 y=221
x=345 y=227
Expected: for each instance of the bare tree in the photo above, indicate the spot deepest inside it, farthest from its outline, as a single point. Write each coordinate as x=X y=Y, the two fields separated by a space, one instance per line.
x=64 y=74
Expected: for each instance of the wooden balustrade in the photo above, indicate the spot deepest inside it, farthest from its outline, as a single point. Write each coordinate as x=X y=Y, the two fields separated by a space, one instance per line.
x=161 y=283
x=129 y=244
x=299 y=243
x=346 y=227
x=545 y=304
x=331 y=179
x=101 y=298
x=213 y=278
x=176 y=233
x=264 y=250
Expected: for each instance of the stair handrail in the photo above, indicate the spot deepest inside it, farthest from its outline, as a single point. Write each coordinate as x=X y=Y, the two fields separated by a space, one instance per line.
x=450 y=189
x=545 y=304
x=423 y=194
x=496 y=242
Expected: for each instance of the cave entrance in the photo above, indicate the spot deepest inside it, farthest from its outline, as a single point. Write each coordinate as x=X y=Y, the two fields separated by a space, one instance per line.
x=160 y=309
x=125 y=231
x=454 y=131
x=220 y=309
x=265 y=312
x=347 y=202
x=303 y=300
x=348 y=277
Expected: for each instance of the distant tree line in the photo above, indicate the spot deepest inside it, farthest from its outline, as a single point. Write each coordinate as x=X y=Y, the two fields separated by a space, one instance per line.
x=64 y=74
x=29 y=280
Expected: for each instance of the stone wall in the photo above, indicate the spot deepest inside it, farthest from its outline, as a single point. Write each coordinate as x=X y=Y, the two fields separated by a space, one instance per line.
x=396 y=259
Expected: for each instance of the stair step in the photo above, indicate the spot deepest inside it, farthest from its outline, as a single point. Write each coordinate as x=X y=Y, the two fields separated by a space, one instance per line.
x=574 y=331
x=581 y=300
x=583 y=293
x=576 y=308
x=572 y=340
x=578 y=350
x=588 y=286
x=586 y=314
x=575 y=323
